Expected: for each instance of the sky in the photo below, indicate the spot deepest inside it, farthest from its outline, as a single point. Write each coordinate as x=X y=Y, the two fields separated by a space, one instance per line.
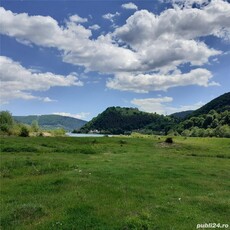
x=76 y=58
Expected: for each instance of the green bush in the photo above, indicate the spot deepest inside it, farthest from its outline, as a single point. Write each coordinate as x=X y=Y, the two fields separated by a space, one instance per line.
x=169 y=140
x=57 y=132
x=24 y=132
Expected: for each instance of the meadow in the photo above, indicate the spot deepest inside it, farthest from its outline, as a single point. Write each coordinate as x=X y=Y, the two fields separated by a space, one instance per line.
x=118 y=183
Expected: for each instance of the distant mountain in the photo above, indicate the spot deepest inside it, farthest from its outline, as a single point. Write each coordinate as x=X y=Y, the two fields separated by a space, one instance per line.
x=52 y=121
x=117 y=120
x=182 y=114
x=218 y=104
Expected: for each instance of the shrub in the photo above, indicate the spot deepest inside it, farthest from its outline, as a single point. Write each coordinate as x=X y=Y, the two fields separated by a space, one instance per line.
x=41 y=134
x=58 y=132
x=24 y=132
x=169 y=140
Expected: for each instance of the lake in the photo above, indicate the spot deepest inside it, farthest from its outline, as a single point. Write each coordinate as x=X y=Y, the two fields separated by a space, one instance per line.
x=86 y=135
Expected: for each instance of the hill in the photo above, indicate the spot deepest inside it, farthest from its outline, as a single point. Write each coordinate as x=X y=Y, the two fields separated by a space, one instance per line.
x=219 y=104
x=182 y=114
x=212 y=119
x=117 y=120
x=52 y=121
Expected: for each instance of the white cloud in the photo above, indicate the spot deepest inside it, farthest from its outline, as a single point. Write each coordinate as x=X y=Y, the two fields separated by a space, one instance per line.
x=73 y=41
x=48 y=32
x=144 y=28
x=110 y=16
x=47 y=99
x=19 y=82
x=188 y=3
x=94 y=27
x=81 y=115
x=145 y=50
x=162 y=105
x=143 y=83
x=129 y=6
x=152 y=105
x=77 y=19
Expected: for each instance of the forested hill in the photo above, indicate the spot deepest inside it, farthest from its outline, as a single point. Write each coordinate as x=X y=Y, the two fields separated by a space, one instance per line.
x=117 y=120
x=52 y=121
x=219 y=104
x=182 y=114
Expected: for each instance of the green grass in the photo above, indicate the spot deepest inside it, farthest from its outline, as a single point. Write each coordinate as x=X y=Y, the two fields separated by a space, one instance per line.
x=114 y=183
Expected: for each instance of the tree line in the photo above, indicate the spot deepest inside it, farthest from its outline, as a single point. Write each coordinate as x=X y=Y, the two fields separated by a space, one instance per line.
x=206 y=125
x=8 y=126
x=117 y=120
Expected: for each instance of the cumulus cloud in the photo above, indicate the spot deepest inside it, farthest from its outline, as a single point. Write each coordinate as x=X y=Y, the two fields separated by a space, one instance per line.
x=145 y=50
x=152 y=105
x=81 y=115
x=143 y=83
x=144 y=27
x=73 y=41
x=94 y=27
x=188 y=3
x=48 y=32
x=129 y=6
x=47 y=99
x=19 y=82
x=101 y=55
x=77 y=19
x=110 y=16
x=162 y=105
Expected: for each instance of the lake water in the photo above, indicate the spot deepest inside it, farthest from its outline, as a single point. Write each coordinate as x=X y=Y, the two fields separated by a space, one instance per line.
x=86 y=135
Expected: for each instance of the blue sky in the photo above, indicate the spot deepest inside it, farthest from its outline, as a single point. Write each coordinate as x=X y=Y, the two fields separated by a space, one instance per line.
x=77 y=58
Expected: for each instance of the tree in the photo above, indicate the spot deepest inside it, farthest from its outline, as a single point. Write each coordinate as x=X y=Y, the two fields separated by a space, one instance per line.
x=186 y=133
x=225 y=117
x=208 y=132
x=35 y=126
x=197 y=132
x=208 y=120
x=6 y=121
x=188 y=124
x=213 y=113
x=214 y=123
x=197 y=121
x=222 y=131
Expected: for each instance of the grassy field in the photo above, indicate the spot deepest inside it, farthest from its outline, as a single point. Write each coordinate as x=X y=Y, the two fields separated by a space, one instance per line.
x=114 y=183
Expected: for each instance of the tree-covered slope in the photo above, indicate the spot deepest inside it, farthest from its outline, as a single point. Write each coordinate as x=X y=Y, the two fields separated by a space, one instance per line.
x=219 y=104
x=52 y=121
x=212 y=119
x=182 y=115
